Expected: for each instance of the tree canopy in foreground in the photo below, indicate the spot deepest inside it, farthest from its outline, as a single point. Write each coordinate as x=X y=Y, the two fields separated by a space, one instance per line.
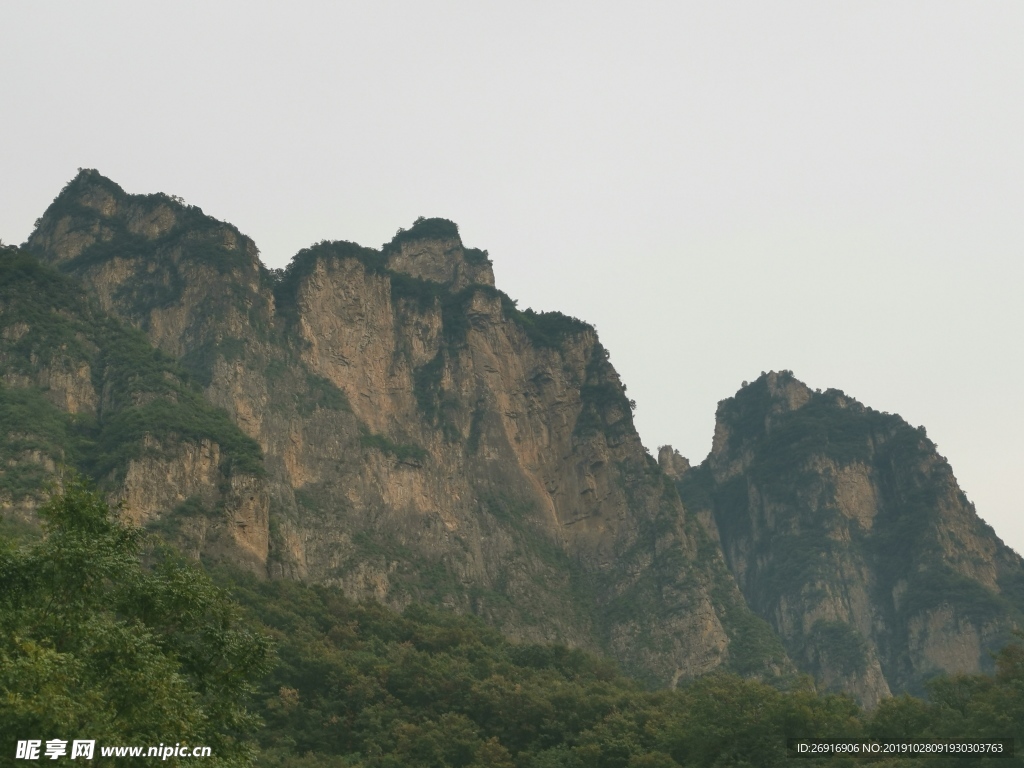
x=96 y=645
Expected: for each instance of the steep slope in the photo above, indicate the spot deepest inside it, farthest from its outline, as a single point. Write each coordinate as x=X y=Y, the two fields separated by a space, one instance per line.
x=79 y=389
x=423 y=438
x=846 y=530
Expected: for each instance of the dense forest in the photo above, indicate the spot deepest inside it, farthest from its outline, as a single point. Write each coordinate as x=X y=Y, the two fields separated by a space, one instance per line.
x=106 y=634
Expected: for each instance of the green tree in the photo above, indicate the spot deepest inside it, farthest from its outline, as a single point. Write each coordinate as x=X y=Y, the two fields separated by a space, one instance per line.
x=93 y=645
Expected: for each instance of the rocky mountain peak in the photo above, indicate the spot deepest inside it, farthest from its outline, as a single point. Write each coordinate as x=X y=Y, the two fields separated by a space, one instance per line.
x=672 y=463
x=186 y=279
x=432 y=250
x=846 y=530
x=786 y=391
x=91 y=189
x=94 y=221
x=774 y=392
x=750 y=411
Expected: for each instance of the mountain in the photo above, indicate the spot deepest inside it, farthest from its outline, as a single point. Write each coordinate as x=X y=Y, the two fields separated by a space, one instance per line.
x=388 y=423
x=846 y=530
x=421 y=438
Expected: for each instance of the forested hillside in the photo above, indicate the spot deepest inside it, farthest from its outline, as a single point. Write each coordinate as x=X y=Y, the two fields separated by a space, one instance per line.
x=107 y=636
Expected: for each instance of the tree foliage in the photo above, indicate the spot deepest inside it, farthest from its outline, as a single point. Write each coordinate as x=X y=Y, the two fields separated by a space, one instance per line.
x=358 y=685
x=95 y=646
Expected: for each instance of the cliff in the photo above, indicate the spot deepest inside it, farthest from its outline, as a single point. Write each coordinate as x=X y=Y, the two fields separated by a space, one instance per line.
x=847 y=532
x=79 y=389
x=388 y=422
x=421 y=438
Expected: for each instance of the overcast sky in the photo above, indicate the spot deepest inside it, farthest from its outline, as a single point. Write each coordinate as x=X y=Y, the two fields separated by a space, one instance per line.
x=722 y=188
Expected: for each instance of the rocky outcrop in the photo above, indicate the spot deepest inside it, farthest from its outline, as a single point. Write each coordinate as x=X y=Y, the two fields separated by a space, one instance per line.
x=672 y=463
x=846 y=530
x=432 y=250
x=175 y=486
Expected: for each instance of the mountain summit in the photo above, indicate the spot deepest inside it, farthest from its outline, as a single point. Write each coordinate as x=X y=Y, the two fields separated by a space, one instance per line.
x=846 y=530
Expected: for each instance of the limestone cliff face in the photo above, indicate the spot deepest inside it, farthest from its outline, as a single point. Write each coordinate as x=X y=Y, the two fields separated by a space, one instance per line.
x=847 y=531
x=422 y=438
x=165 y=487
x=80 y=390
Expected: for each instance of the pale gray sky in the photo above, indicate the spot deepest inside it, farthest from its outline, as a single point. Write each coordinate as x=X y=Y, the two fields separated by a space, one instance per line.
x=721 y=187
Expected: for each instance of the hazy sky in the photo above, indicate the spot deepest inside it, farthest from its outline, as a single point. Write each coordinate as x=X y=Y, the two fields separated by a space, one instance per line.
x=722 y=188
